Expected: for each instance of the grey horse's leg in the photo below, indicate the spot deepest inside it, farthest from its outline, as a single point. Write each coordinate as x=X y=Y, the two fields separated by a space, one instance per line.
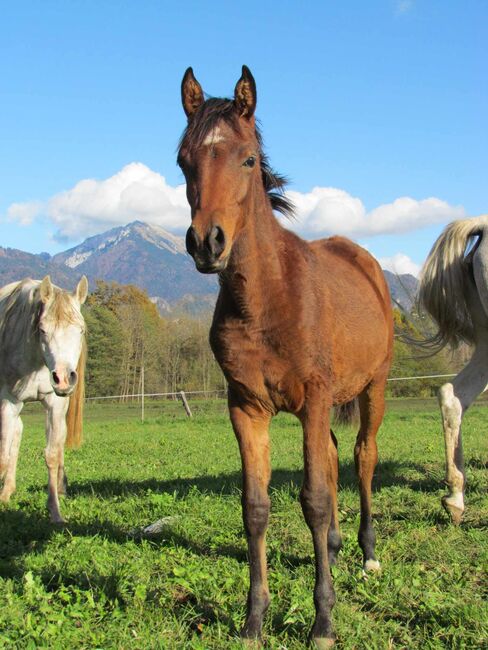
x=454 y=400
x=10 y=437
x=56 y=408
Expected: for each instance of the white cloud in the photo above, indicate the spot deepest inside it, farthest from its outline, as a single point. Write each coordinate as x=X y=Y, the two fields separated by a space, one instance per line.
x=137 y=192
x=399 y=263
x=91 y=206
x=24 y=213
x=327 y=210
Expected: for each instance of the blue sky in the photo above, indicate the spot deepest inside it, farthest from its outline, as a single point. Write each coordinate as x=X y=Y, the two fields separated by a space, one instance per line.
x=380 y=106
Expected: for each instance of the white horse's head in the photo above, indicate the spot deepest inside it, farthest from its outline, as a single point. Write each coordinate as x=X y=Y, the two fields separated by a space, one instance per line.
x=61 y=332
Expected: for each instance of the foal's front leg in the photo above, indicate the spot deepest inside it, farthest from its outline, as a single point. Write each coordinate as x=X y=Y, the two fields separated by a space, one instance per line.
x=56 y=408
x=319 y=498
x=251 y=429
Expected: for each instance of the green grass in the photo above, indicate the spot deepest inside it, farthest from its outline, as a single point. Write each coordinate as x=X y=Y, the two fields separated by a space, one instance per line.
x=97 y=583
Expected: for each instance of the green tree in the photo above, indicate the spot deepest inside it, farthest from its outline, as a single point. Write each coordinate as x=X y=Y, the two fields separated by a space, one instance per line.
x=105 y=338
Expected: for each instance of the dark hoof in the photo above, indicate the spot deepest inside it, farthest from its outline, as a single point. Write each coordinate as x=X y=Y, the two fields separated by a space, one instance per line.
x=321 y=635
x=251 y=632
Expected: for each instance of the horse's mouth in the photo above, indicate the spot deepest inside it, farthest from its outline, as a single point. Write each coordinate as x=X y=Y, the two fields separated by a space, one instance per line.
x=64 y=393
x=211 y=267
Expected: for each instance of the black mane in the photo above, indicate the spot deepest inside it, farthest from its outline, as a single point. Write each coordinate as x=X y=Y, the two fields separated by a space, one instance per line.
x=206 y=118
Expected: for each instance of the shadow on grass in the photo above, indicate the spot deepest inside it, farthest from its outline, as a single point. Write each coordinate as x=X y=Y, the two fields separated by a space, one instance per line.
x=387 y=474
x=23 y=532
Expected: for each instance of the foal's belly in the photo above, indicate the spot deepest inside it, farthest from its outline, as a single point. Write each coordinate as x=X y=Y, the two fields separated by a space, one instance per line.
x=277 y=376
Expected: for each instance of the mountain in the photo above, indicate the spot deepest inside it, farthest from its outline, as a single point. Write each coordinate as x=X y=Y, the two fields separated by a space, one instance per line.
x=139 y=254
x=16 y=265
x=403 y=289
x=150 y=258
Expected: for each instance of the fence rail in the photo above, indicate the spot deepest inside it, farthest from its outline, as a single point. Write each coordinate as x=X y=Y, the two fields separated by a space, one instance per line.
x=177 y=394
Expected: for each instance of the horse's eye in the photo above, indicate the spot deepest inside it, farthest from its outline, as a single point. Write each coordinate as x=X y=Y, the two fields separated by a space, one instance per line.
x=250 y=162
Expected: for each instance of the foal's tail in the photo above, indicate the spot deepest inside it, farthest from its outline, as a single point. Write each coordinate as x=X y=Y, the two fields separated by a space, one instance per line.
x=74 y=417
x=443 y=282
x=347 y=414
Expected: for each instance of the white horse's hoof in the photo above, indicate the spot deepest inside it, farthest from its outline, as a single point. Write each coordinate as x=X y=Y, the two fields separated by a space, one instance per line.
x=453 y=509
x=5 y=497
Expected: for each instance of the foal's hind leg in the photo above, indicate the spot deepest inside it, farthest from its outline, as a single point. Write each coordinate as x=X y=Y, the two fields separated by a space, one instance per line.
x=11 y=434
x=319 y=498
x=372 y=408
x=454 y=399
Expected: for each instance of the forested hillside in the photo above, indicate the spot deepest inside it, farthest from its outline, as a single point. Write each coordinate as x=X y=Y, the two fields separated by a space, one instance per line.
x=127 y=333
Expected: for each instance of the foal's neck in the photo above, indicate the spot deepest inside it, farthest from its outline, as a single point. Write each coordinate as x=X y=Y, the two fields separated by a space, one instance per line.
x=255 y=266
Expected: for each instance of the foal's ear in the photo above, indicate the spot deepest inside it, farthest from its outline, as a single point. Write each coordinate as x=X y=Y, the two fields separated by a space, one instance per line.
x=46 y=290
x=245 y=94
x=81 y=291
x=191 y=93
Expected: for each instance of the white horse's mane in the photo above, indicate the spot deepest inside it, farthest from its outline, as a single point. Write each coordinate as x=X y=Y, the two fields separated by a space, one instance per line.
x=21 y=308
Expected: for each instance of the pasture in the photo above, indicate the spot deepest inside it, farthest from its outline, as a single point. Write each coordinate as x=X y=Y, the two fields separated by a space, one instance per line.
x=99 y=582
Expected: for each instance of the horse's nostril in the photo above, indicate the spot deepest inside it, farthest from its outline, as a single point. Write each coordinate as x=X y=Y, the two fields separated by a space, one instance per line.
x=55 y=377
x=192 y=240
x=216 y=241
x=73 y=378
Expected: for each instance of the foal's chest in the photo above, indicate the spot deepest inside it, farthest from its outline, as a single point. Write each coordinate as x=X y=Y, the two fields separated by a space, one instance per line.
x=255 y=362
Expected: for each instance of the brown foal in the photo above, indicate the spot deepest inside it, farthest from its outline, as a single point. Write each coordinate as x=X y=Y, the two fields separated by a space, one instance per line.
x=298 y=326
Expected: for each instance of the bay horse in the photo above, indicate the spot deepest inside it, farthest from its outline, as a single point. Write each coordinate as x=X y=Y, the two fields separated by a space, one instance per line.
x=454 y=291
x=298 y=326
x=42 y=358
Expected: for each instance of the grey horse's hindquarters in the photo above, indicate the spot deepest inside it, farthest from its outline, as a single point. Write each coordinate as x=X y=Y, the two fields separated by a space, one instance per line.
x=480 y=271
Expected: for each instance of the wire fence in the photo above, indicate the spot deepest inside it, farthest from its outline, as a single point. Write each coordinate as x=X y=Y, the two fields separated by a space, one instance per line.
x=144 y=405
x=205 y=394
x=200 y=403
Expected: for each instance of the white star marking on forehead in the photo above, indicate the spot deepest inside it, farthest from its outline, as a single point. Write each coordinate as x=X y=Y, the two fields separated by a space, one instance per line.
x=213 y=137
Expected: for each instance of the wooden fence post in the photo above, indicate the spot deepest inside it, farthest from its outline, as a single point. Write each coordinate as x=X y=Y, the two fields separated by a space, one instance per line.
x=185 y=404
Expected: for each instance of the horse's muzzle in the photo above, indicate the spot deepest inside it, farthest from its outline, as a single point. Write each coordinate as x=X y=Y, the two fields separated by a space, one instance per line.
x=63 y=382
x=206 y=253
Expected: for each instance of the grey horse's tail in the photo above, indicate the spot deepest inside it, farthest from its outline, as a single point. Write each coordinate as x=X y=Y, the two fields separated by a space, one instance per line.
x=74 y=417
x=443 y=282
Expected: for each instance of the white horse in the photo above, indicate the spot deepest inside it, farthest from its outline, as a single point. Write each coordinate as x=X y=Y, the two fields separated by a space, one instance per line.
x=42 y=358
x=454 y=291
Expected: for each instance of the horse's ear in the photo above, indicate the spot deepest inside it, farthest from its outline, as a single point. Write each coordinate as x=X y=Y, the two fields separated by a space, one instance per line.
x=245 y=96
x=46 y=290
x=81 y=291
x=191 y=93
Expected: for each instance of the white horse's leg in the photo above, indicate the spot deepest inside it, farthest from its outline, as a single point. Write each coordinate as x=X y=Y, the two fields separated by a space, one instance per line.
x=56 y=408
x=10 y=436
x=454 y=399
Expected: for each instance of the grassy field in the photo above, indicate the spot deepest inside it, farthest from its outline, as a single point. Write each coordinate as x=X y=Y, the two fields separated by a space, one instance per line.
x=100 y=583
